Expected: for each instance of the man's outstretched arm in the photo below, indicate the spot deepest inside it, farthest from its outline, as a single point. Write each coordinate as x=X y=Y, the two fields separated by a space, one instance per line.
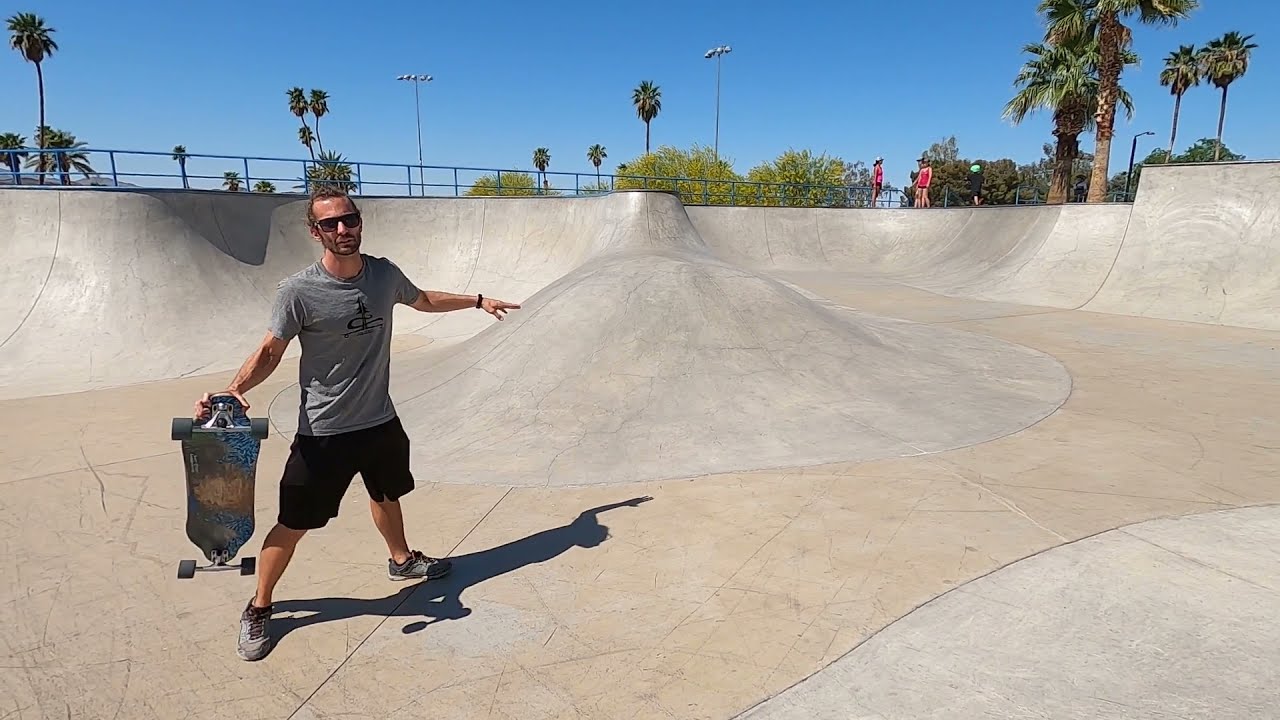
x=436 y=301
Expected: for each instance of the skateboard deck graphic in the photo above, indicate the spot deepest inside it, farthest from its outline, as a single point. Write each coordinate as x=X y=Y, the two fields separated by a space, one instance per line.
x=220 y=460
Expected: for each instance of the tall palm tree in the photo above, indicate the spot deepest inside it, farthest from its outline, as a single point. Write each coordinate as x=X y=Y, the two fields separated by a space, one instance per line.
x=647 y=99
x=34 y=41
x=299 y=106
x=1105 y=18
x=596 y=155
x=1182 y=71
x=1223 y=61
x=231 y=180
x=541 y=159
x=11 y=145
x=1062 y=78
x=180 y=155
x=319 y=108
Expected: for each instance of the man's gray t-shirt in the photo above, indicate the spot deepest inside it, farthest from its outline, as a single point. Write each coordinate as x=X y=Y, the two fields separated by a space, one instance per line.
x=344 y=327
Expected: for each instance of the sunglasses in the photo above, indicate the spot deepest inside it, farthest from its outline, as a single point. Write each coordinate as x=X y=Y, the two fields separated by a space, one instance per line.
x=330 y=224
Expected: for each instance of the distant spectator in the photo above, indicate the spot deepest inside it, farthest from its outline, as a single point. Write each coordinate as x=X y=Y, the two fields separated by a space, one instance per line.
x=877 y=180
x=908 y=191
x=975 y=183
x=1080 y=188
x=922 y=183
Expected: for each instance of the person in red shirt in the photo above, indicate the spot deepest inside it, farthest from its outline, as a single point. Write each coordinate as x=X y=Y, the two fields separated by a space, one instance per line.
x=922 y=183
x=877 y=180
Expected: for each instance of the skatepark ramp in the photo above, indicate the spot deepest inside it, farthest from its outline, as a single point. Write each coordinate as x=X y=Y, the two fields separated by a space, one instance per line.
x=109 y=288
x=1199 y=244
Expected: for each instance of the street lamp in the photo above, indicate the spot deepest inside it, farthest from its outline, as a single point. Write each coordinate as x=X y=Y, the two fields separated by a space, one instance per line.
x=716 y=52
x=416 y=79
x=1133 y=151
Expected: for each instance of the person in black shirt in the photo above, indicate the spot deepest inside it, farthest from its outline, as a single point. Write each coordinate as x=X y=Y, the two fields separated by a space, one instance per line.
x=975 y=183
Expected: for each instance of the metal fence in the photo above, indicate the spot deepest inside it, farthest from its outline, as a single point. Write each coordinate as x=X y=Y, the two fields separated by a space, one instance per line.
x=108 y=168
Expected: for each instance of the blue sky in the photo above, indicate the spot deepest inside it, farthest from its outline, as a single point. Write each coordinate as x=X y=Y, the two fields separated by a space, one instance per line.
x=853 y=79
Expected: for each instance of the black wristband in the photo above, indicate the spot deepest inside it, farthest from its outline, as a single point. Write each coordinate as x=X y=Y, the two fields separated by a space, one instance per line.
x=479 y=299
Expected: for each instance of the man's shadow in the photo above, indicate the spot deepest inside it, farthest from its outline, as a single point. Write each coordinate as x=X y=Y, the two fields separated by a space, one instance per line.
x=438 y=600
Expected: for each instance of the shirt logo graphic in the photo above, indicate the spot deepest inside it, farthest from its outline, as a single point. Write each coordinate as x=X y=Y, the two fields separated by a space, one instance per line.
x=364 y=322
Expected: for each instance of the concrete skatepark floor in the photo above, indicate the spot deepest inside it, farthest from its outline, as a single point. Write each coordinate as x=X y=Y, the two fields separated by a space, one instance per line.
x=991 y=463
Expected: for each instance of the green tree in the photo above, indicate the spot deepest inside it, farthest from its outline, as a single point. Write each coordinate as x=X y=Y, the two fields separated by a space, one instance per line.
x=1225 y=60
x=512 y=183
x=34 y=41
x=802 y=179
x=231 y=180
x=1182 y=71
x=541 y=159
x=1072 y=21
x=647 y=100
x=696 y=174
x=1062 y=77
x=319 y=105
x=180 y=155
x=11 y=145
x=331 y=169
x=264 y=186
x=298 y=107
x=596 y=155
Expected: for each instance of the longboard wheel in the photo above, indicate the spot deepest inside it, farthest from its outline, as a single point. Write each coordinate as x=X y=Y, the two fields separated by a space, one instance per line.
x=259 y=427
x=182 y=428
x=248 y=566
x=186 y=569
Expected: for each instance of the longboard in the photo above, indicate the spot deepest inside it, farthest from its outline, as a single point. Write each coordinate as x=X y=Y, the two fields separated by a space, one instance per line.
x=220 y=459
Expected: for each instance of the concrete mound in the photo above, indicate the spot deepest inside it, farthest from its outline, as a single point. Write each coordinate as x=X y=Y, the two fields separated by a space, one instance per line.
x=648 y=364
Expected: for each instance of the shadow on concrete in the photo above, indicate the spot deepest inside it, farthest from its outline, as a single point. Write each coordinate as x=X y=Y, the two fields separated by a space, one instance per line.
x=437 y=600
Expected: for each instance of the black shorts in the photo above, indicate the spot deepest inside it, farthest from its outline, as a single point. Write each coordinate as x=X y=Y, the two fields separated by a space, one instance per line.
x=320 y=469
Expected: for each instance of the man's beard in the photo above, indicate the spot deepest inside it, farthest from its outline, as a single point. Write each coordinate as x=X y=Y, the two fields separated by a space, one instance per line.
x=343 y=246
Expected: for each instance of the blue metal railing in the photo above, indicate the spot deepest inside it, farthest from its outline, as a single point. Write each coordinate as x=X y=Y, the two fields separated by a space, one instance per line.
x=110 y=168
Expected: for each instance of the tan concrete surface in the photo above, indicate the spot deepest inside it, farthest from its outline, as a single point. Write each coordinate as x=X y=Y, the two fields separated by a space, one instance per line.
x=719 y=593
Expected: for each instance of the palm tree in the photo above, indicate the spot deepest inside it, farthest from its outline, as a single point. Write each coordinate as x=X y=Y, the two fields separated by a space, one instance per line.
x=231 y=180
x=319 y=108
x=1062 y=78
x=180 y=155
x=13 y=143
x=1182 y=71
x=306 y=137
x=299 y=106
x=264 y=186
x=596 y=155
x=69 y=158
x=34 y=41
x=541 y=159
x=1104 y=18
x=647 y=99
x=1223 y=61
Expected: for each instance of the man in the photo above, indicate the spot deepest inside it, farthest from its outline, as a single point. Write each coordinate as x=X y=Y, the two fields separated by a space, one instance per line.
x=877 y=180
x=340 y=309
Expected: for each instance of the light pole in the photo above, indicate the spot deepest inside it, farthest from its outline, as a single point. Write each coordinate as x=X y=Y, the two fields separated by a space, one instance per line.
x=1133 y=151
x=717 y=52
x=417 y=103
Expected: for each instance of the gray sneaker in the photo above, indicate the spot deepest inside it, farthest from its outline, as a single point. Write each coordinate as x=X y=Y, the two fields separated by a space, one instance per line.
x=254 y=640
x=418 y=566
